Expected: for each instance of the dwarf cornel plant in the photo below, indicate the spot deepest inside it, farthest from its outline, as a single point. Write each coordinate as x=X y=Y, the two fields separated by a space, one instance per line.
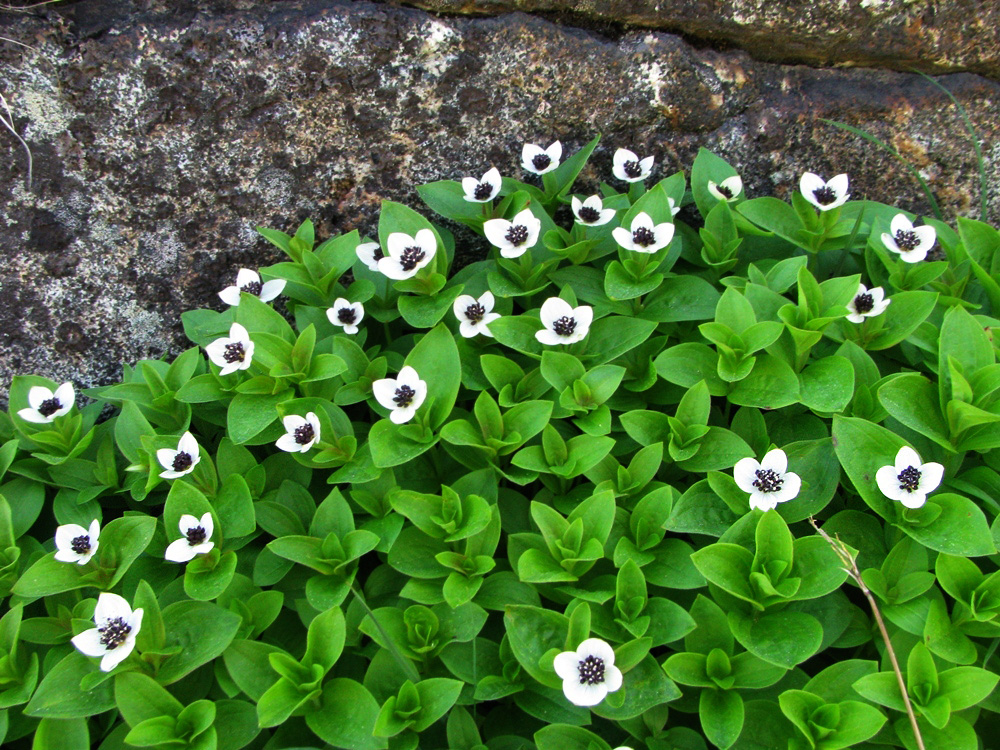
x=561 y=499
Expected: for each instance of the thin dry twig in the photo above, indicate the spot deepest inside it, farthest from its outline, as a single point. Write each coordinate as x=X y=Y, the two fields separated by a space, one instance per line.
x=851 y=567
x=8 y=121
x=24 y=8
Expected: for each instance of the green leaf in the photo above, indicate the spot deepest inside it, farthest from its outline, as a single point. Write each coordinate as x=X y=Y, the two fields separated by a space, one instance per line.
x=61 y=734
x=59 y=696
x=533 y=632
x=781 y=638
x=903 y=316
x=140 y=698
x=721 y=714
x=960 y=528
x=827 y=385
x=198 y=632
x=771 y=384
x=347 y=716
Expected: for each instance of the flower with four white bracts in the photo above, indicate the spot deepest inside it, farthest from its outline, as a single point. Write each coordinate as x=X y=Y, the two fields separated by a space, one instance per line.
x=406 y=254
x=301 y=433
x=563 y=324
x=233 y=352
x=909 y=480
x=514 y=237
x=824 y=195
x=768 y=482
x=629 y=167
x=910 y=242
x=674 y=208
x=591 y=212
x=369 y=253
x=403 y=394
x=867 y=303
x=644 y=237
x=114 y=637
x=249 y=281
x=541 y=160
x=727 y=190
x=589 y=673
x=45 y=406
x=197 y=533
x=346 y=314
x=181 y=461
x=475 y=315
x=75 y=544
x=484 y=189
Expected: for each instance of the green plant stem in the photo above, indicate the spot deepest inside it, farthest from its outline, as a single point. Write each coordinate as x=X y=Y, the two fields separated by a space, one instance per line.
x=408 y=669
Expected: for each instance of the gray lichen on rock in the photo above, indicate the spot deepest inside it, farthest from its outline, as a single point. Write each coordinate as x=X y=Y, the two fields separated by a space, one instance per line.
x=163 y=133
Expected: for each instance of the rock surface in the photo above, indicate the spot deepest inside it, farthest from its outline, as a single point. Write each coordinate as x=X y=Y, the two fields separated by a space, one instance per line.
x=163 y=132
x=959 y=35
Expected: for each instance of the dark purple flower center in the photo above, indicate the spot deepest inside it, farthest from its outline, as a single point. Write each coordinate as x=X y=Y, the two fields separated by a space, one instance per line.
x=195 y=535
x=404 y=396
x=632 y=169
x=864 y=303
x=377 y=254
x=589 y=214
x=182 y=461
x=541 y=161
x=909 y=479
x=346 y=315
x=483 y=191
x=825 y=195
x=475 y=312
x=304 y=434
x=725 y=190
x=591 y=671
x=234 y=352
x=410 y=257
x=80 y=545
x=564 y=326
x=252 y=288
x=907 y=239
x=517 y=234
x=767 y=480
x=114 y=633
x=643 y=236
x=49 y=406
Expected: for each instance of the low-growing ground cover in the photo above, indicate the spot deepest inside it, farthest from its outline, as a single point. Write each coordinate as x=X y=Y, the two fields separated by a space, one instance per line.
x=674 y=468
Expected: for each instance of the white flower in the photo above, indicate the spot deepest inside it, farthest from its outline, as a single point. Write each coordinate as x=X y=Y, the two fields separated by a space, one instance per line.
x=727 y=190
x=403 y=394
x=482 y=190
x=195 y=540
x=563 y=324
x=346 y=314
x=181 y=461
x=407 y=254
x=514 y=237
x=589 y=673
x=301 y=433
x=912 y=243
x=909 y=481
x=77 y=544
x=45 y=406
x=369 y=253
x=629 y=167
x=474 y=315
x=232 y=353
x=249 y=281
x=114 y=637
x=768 y=482
x=824 y=195
x=644 y=237
x=867 y=303
x=591 y=212
x=674 y=208
x=538 y=160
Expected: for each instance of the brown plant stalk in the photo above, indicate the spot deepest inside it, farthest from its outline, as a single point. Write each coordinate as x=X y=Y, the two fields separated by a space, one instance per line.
x=851 y=567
